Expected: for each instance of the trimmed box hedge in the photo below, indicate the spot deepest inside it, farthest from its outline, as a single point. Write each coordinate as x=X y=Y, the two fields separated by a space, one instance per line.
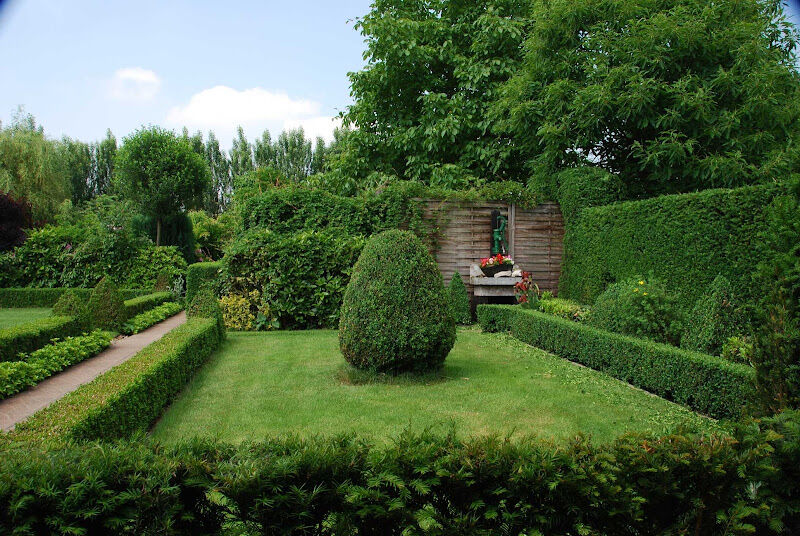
x=136 y=306
x=30 y=336
x=684 y=240
x=200 y=274
x=47 y=297
x=129 y=397
x=707 y=384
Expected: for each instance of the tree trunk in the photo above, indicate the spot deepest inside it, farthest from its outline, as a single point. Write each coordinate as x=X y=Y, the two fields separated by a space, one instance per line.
x=158 y=231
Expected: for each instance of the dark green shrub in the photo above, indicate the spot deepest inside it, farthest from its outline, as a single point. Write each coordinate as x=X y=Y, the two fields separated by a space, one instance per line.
x=395 y=314
x=459 y=300
x=129 y=397
x=683 y=240
x=206 y=305
x=106 y=308
x=176 y=231
x=301 y=276
x=705 y=383
x=639 y=307
x=583 y=187
x=163 y=282
x=153 y=262
x=199 y=275
x=713 y=320
x=30 y=336
x=72 y=304
x=639 y=484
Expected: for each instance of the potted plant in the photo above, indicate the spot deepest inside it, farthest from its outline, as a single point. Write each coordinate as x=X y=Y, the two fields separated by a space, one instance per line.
x=495 y=264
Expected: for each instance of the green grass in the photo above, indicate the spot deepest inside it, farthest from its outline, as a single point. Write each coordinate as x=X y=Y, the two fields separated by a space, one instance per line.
x=12 y=317
x=266 y=384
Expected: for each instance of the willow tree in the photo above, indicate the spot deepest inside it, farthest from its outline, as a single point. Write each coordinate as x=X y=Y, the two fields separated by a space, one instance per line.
x=161 y=173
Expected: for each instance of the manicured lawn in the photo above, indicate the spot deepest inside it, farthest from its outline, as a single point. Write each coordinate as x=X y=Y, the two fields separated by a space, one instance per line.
x=263 y=384
x=12 y=317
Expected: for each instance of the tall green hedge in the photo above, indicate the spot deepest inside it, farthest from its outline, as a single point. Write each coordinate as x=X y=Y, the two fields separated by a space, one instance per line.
x=199 y=275
x=302 y=276
x=708 y=384
x=684 y=240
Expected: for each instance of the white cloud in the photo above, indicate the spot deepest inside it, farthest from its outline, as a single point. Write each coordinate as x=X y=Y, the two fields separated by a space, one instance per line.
x=222 y=109
x=134 y=84
x=315 y=126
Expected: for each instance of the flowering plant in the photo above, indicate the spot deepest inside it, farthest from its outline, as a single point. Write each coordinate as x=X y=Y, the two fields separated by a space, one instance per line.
x=527 y=292
x=497 y=260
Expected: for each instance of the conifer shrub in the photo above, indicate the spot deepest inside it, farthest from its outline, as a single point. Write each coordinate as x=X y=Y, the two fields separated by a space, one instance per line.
x=106 y=306
x=71 y=304
x=459 y=300
x=205 y=305
x=713 y=320
x=395 y=315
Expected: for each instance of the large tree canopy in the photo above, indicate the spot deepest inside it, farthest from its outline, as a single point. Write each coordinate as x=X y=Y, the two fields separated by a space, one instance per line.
x=673 y=95
x=161 y=173
x=433 y=67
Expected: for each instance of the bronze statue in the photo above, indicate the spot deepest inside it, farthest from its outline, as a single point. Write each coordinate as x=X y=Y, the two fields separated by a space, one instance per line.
x=499 y=244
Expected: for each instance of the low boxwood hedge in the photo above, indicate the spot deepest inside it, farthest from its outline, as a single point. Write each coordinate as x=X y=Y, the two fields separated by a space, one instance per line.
x=150 y=318
x=130 y=396
x=16 y=376
x=47 y=297
x=705 y=383
x=30 y=336
x=144 y=303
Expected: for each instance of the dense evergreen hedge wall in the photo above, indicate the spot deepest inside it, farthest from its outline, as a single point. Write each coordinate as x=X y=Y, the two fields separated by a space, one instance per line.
x=200 y=274
x=683 y=240
x=418 y=484
x=708 y=384
x=302 y=276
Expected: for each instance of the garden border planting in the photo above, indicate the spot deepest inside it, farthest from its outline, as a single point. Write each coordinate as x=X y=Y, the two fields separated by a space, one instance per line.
x=705 y=383
x=30 y=336
x=16 y=376
x=47 y=297
x=140 y=304
x=431 y=484
x=129 y=397
x=151 y=317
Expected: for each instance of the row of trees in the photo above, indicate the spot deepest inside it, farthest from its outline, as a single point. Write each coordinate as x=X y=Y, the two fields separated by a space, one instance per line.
x=47 y=172
x=670 y=95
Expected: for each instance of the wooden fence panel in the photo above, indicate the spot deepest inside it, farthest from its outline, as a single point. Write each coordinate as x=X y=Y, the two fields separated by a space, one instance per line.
x=535 y=238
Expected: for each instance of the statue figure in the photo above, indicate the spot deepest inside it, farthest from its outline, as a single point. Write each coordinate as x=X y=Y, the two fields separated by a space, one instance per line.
x=499 y=244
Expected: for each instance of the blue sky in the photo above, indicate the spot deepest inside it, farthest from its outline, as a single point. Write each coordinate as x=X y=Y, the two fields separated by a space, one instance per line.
x=86 y=65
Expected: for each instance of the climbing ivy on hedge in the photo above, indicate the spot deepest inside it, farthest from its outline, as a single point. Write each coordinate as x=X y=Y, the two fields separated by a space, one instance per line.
x=302 y=276
x=684 y=240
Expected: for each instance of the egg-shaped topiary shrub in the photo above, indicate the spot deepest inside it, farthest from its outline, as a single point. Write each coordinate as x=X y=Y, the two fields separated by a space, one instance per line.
x=396 y=314
x=106 y=306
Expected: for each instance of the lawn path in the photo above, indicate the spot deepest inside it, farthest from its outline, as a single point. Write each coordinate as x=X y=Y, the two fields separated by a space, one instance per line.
x=21 y=406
